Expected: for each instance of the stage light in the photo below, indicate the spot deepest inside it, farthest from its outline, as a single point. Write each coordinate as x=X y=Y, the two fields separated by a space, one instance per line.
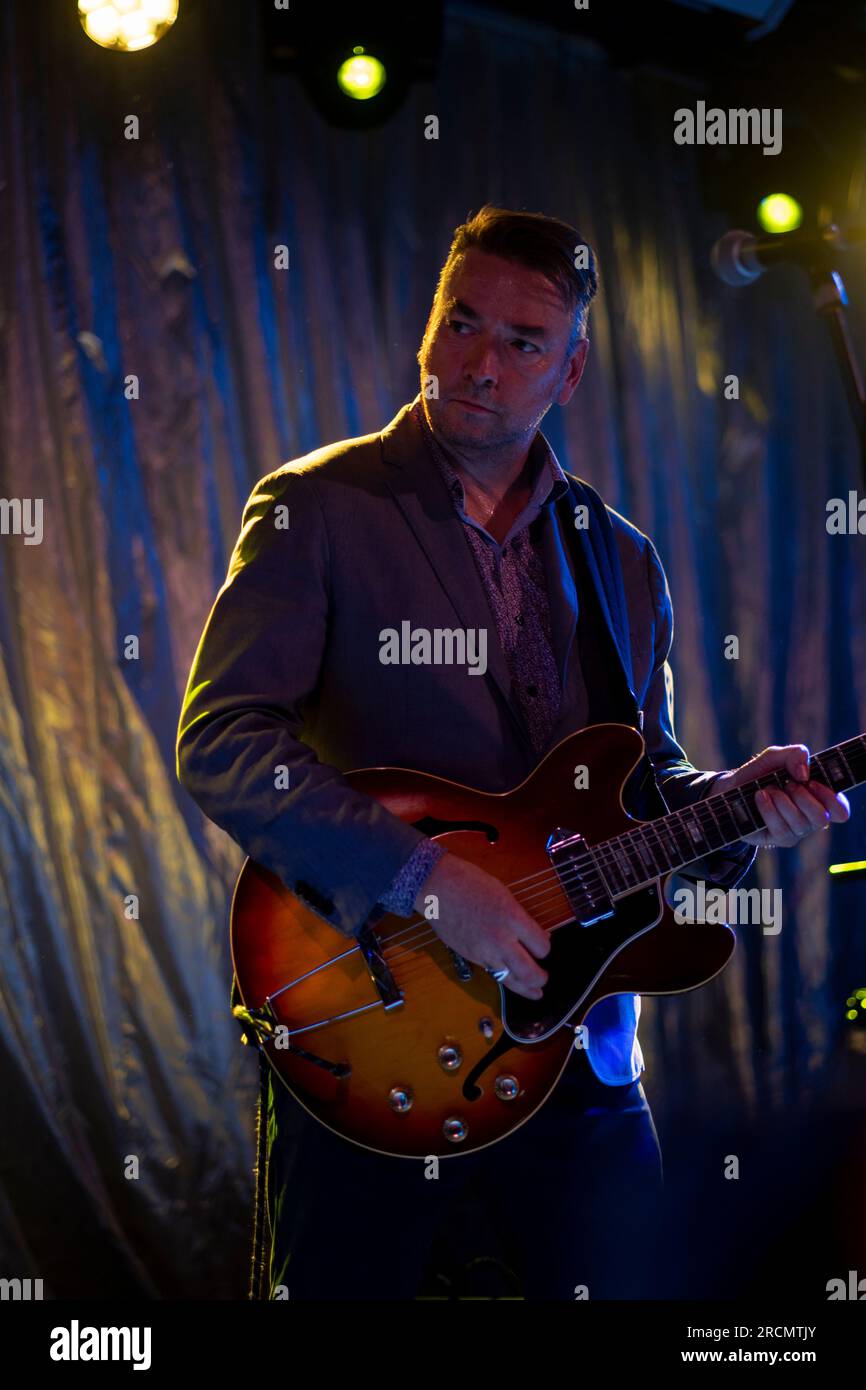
x=855 y=866
x=852 y=1012
x=779 y=212
x=126 y=25
x=357 y=73
x=362 y=76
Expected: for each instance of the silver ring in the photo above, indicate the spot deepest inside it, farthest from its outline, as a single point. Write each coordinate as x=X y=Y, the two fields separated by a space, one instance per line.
x=500 y=975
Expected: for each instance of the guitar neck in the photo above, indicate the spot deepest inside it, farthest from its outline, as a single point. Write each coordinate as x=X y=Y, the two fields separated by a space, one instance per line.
x=662 y=846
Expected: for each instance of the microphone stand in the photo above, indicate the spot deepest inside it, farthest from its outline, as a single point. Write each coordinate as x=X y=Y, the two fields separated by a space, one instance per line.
x=831 y=300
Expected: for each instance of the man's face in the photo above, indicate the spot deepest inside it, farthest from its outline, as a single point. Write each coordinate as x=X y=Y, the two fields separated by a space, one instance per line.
x=496 y=338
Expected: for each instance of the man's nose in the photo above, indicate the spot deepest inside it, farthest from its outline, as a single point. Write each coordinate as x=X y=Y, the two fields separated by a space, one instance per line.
x=482 y=363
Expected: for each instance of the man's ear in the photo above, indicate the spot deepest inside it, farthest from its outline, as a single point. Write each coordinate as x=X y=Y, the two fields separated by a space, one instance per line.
x=574 y=372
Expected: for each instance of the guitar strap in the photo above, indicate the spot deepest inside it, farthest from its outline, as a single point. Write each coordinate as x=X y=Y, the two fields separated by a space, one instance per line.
x=603 y=634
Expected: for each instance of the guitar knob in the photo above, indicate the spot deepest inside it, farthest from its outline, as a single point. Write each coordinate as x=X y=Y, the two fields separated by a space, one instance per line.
x=449 y=1057
x=455 y=1129
x=400 y=1098
x=506 y=1087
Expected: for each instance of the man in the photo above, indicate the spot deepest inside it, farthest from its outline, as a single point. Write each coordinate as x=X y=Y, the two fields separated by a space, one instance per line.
x=456 y=515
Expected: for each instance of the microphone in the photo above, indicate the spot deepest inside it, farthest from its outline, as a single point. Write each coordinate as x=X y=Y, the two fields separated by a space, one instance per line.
x=738 y=257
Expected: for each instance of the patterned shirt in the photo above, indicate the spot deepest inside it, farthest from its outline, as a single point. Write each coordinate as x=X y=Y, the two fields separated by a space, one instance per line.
x=513 y=576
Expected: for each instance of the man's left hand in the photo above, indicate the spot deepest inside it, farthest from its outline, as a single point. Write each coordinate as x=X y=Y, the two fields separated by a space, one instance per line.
x=791 y=814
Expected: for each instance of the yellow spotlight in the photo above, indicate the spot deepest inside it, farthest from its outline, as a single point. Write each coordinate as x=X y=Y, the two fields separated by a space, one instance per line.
x=126 y=25
x=779 y=212
x=362 y=76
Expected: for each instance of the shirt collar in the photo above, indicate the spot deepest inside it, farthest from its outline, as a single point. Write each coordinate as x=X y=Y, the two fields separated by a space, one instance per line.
x=550 y=481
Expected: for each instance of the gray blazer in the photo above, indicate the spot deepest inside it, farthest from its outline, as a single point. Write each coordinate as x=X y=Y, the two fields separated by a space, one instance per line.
x=334 y=548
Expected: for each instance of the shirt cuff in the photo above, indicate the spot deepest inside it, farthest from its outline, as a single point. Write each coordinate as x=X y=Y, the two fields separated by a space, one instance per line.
x=400 y=897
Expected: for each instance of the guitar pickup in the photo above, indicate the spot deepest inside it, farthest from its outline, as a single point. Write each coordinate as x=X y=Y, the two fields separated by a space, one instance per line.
x=579 y=878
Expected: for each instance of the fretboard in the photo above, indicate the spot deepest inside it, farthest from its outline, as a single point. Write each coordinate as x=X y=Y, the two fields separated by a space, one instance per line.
x=661 y=846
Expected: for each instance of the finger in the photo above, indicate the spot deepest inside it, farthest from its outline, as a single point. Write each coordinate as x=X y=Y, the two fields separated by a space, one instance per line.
x=525 y=971
x=519 y=986
x=834 y=802
x=813 y=809
x=797 y=761
x=532 y=936
x=777 y=810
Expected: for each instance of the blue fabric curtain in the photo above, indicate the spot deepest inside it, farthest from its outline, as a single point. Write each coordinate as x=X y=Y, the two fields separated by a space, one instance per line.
x=127 y=1153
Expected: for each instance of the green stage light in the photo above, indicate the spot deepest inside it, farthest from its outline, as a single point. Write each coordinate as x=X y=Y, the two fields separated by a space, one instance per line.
x=362 y=76
x=779 y=212
x=856 y=866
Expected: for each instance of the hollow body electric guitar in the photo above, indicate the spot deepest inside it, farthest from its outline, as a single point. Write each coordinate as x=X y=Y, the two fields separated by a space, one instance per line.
x=402 y=1046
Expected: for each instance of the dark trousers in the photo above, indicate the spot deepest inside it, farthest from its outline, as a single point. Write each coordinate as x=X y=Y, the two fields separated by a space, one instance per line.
x=572 y=1196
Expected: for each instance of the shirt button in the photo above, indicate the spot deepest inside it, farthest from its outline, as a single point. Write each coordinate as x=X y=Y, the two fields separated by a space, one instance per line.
x=532 y=690
x=519 y=620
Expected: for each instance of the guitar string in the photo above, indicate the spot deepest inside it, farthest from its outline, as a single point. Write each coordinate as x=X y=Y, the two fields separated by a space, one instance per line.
x=609 y=859
x=547 y=879
x=613 y=858
x=594 y=854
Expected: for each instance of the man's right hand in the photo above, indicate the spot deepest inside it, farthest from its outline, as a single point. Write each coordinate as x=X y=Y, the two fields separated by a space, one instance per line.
x=480 y=919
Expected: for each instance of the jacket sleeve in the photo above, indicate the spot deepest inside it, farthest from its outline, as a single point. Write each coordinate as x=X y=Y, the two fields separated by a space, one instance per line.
x=680 y=782
x=239 y=754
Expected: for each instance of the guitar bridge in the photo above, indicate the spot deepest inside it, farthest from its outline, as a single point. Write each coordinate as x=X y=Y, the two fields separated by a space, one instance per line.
x=579 y=878
x=380 y=974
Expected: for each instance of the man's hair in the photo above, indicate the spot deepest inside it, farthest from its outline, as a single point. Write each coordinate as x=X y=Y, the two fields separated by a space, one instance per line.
x=542 y=243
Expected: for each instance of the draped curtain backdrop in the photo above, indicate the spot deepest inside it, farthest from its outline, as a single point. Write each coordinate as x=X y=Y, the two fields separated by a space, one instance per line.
x=127 y=1150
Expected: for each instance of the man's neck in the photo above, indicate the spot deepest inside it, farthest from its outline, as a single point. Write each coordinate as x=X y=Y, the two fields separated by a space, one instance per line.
x=495 y=489
x=491 y=474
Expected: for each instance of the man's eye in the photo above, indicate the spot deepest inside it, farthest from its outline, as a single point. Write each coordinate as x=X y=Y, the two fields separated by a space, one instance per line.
x=526 y=343
x=457 y=323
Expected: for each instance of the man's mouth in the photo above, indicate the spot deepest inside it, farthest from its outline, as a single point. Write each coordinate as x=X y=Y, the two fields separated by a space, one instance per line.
x=473 y=405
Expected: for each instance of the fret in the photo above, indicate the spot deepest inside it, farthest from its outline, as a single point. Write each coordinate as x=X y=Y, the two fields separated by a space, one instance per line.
x=681 y=838
x=613 y=869
x=647 y=853
x=656 y=847
x=668 y=840
x=823 y=774
x=741 y=812
x=662 y=854
x=632 y=850
x=724 y=818
x=857 y=747
x=631 y=872
x=715 y=828
x=846 y=763
x=695 y=831
x=835 y=769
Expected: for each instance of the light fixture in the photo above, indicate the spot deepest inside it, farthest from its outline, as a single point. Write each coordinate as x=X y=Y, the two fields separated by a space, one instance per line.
x=126 y=25
x=362 y=76
x=779 y=212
